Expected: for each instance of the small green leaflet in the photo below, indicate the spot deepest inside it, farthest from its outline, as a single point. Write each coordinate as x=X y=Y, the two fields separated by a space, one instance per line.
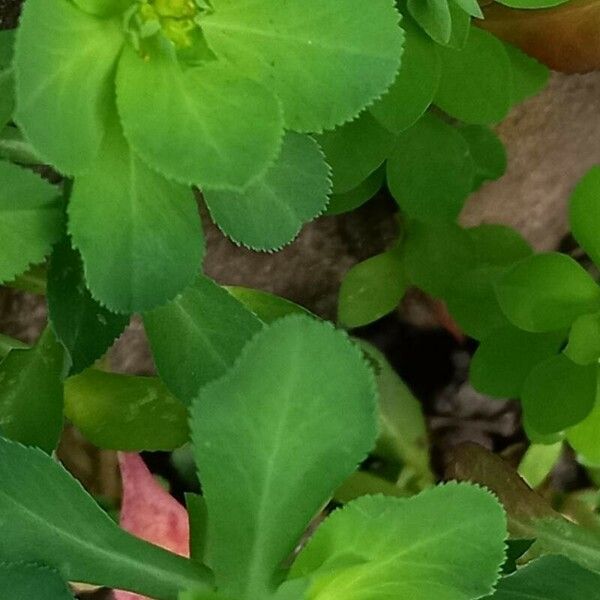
x=85 y=328
x=267 y=307
x=507 y=355
x=546 y=292
x=31 y=219
x=434 y=17
x=371 y=289
x=436 y=254
x=31 y=393
x=64 y=63
x=48 y=518
x=528 y=75
x=139 y=234
x=325 y=60
x=475 y=85
x=538 y=462
x=122 y=412
x=270 y=212
x=304 y=398
x=416 y=82
x=348 y=201
x=205 y=126
x=487 y=151
x=558 y=394
x=21 y=581
x=584 y=213
x=549 y=578
x=584 y=439
x=197 y=337
x=583 y=347
x=446 y=543
x=355 y=150
x=430 y=172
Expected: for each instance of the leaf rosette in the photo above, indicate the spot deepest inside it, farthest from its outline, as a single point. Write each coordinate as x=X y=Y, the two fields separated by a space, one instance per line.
x=180 y=93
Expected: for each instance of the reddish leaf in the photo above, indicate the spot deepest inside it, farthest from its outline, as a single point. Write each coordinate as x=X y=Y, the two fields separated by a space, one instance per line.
x=149 y=512
x=565 y=38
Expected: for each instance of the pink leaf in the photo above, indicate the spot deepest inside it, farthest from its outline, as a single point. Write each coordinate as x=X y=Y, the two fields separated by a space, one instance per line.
x=149 y=512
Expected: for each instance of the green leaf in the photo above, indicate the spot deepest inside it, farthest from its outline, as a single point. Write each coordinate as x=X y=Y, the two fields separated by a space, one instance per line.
x=471 y=7
x=461 y=26
x=558 y=394
x=528 y=75
x=103 y=8
x=64 y=64
x=403 y=436
x=348 y=201
x=538 y=462
x=487 y=151
x=7 y=83
x=506 y=356
x=584 y=439
x=304 y=401
x=430 y=173
x=84 y=327
x=435 y=255
x=205 y=126
x=498 y=245
x=416 y=83
x=584 y=340
x=584 y=213
x=475 y=85
x=271 y=211
x=533 y=4
x=434 y=17
x=371 y=289
x=31 y=394
x=545 y=292
x=355 y=150
x=31 y=218
x=198 y=518
x=7 y=43
x=20 y=581
x=139 y=234
x=446 y=543
x=7 y=344
x=549 y=578
x=267 y=307
x=197 y=337
x=48 y=518
x=325 y=60
x=122 y=412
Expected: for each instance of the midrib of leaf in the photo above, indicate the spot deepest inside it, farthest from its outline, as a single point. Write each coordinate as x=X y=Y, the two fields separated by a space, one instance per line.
x=152 y=572
x=255 y=588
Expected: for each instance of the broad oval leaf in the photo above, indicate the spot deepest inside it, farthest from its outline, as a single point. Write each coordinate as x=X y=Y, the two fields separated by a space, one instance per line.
x=506 y=356
x=546 y=292
x=270 y=212
x=549 y=578
x=487 y=151
x=205 y=125
x=446 y=543
x=430 y=173
x=584 y=213
x=122 y=412
x=304 y=400
x=64 y=65
x=48 y=518
x=531 y=3
x=558 y=394
x=197 y=337
x=85 y=328
x=434 y=17
x=355 y=150
x=416 y=83
x=348 y=201
x=31 y=393
x=138 y=233
x=584 y=438
x=528 y=75
x=31 y=219
x=583 y=347
x=22 y=581
x=371 y=289
x=325 y=60
x=475 y=85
